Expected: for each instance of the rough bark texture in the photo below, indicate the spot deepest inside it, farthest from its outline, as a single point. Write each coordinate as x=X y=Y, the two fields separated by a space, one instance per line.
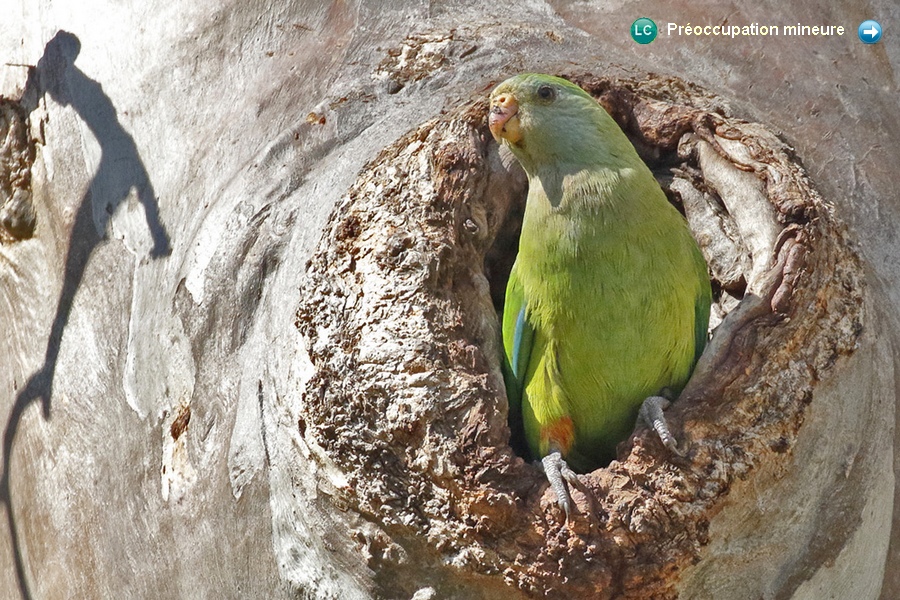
x=16 y=158
x=405 y=396
x=249 y=295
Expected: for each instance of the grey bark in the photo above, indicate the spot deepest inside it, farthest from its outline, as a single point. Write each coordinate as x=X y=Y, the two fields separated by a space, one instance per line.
x=166 y=430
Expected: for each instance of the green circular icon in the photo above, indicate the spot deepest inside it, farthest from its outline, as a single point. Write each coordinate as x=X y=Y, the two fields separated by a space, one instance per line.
x=643 y=31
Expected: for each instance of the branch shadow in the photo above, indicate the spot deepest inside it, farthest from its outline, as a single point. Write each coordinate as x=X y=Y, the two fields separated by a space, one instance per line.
x=120 y=170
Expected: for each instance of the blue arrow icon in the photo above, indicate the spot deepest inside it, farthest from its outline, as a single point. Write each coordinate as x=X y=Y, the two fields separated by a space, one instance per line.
x=869 y=32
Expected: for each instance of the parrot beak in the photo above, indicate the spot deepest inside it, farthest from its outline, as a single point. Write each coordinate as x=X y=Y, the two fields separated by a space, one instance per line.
x=503 y=119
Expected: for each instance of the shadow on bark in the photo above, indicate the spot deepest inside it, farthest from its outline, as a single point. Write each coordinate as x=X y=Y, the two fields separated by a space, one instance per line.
x=120 y=170
x=406 y=397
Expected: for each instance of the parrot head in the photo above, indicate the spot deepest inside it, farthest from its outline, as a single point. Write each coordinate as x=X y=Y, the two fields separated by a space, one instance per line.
x=546 y=120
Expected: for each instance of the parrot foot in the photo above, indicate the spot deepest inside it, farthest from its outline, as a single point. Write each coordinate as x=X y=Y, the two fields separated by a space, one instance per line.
x=651 y=413
x=558 y=474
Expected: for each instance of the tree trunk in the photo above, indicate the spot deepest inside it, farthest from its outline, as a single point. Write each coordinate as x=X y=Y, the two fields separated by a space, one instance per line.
x=251 y=264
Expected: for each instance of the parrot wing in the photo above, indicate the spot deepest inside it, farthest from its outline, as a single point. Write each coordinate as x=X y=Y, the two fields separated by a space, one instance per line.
x=518 y=340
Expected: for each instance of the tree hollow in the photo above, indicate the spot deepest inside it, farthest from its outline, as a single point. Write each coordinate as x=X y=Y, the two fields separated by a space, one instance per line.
x=405 y=396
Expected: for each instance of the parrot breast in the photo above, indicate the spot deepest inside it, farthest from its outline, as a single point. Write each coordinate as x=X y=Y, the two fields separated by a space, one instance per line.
x=610 y=288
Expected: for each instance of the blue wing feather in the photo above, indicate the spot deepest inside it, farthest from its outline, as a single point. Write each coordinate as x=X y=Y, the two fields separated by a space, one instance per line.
x=518 y=338
x=521 y=342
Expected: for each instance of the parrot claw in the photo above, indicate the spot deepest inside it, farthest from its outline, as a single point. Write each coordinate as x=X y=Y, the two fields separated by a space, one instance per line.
x=558 y=474
x=651 y=413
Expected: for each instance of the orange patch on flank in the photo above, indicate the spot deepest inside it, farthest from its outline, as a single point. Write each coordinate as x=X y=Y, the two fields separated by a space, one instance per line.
x=560 y=433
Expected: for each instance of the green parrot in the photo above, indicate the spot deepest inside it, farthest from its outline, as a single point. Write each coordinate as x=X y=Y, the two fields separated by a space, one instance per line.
x=607 y=305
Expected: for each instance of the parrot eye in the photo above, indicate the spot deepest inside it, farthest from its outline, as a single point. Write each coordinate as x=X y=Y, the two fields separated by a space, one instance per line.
x=546 y=92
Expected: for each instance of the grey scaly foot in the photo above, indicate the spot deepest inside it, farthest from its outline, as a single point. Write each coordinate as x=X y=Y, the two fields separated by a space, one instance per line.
x=558 y=473
x=651 y=413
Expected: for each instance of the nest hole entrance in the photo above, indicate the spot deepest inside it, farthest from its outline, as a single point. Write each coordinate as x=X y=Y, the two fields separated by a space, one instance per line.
x=405 y=395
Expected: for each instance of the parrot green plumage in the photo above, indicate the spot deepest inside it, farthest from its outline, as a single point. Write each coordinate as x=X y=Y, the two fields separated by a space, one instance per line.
x=608 y=301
